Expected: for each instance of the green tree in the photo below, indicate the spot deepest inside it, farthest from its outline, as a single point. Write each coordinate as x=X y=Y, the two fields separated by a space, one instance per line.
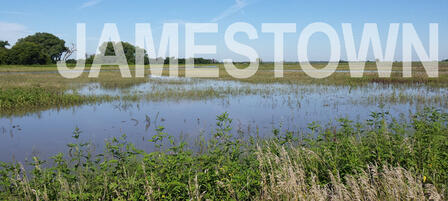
x=51 y=45
x=3 y=52
x=27 y=53
x=3 y=56
x=128 y=49
x=3 y=44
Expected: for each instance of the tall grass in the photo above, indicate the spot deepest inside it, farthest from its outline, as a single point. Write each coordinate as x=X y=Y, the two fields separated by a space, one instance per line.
x=380 y=159
x=285 y=177
x=24 y=100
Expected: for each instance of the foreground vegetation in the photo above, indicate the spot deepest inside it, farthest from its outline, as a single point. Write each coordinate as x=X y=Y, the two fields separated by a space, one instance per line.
x=380 y=159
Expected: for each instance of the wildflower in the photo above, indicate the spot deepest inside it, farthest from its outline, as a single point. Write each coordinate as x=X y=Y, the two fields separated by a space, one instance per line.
x=424 y=178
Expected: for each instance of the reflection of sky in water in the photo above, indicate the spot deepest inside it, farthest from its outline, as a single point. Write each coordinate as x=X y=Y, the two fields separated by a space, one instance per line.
x=289 y=106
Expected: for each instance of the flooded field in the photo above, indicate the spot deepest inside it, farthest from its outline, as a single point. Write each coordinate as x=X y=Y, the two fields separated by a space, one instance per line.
x=224 y=100
x=187 y=109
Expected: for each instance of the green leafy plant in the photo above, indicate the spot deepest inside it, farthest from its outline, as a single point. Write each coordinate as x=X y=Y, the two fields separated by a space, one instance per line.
x=380 y=159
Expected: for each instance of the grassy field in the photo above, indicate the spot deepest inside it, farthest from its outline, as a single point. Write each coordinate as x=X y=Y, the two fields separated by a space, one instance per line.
x=32 y=89
x=292 y=74
x=380 y=159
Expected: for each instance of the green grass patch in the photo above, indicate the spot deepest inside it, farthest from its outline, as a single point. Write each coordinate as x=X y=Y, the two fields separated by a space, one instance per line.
x=23 y=100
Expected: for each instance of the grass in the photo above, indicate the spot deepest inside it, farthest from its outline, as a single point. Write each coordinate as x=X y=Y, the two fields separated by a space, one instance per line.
x=380 y=159
x=25 y=100
x=396 y=66
x=266 y=75
x=25 y=93
x=41 y=87
x=54 y=80
x=404 y=98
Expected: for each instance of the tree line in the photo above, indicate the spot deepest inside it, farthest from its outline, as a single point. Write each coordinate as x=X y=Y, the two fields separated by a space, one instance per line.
x=130 y=52
x=46 y=48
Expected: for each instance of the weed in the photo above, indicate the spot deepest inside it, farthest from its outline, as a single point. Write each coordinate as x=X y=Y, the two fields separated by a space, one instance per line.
x=380 y=159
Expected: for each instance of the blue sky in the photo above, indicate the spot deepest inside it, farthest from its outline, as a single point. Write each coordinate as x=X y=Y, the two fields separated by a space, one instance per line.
x=19 y=18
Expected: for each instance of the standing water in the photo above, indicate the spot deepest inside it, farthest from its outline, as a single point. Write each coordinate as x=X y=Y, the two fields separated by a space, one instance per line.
x=256 y=109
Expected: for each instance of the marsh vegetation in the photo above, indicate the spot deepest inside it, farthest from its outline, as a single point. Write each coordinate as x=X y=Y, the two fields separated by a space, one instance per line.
x=379 y=159
x=282 y=138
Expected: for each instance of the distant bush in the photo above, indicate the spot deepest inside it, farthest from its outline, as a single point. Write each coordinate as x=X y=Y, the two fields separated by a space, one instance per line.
x=71 y=61
x=130 y=52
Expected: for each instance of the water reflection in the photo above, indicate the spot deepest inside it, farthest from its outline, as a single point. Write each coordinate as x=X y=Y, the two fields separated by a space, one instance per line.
x=255 y=112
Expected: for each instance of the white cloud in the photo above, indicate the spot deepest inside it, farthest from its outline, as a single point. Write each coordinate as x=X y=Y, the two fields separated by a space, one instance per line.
x=12 y=31
x=90 y=3
x=237 y=6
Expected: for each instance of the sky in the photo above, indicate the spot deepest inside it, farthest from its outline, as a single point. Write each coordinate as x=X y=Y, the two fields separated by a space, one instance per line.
x=19 y=18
